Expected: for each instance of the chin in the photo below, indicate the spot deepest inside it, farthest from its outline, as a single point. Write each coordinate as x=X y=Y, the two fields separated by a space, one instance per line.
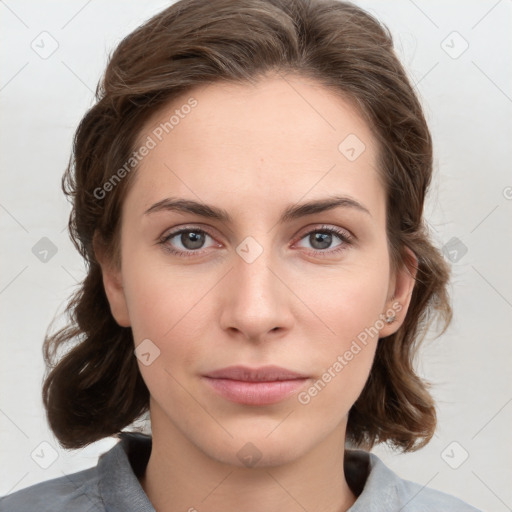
x=258 y=444
x=256 y=453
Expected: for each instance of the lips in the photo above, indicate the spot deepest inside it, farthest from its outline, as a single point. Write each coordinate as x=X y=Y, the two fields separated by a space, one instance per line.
x=255 y=386
x=262 y=374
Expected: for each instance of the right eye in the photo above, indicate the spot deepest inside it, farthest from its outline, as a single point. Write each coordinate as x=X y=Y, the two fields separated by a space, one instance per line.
x=191 y=239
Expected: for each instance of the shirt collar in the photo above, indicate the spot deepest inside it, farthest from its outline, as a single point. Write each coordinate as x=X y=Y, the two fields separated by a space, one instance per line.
x=120 y=468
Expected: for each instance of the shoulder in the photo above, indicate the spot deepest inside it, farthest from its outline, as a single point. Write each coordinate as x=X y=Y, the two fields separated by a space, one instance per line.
x=413 y=497
x=77 y=492
x=385 y=490
x=418 y=498
x=110 y=485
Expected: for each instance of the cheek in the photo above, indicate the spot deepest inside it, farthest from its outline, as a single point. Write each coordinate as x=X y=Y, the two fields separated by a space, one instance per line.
x=346 y=302
x=344 y=359
x=168 y=307
x=349 y=305
x=157 y=295
x=334 y=392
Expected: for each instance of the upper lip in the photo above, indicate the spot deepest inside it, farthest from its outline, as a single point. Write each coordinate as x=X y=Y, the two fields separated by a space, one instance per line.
x=261 y=374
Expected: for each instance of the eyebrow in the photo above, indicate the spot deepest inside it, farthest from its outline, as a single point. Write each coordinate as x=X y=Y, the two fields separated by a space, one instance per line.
x=292 y=212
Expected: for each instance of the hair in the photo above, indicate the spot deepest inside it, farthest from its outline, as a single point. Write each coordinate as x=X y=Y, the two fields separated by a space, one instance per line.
x=95 y=389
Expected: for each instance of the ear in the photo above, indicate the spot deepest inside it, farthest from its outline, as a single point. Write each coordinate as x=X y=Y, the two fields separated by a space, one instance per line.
x=399 y=295
x=113 y=284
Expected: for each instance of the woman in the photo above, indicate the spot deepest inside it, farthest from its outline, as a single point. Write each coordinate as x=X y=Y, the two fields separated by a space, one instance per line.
x=248 y=194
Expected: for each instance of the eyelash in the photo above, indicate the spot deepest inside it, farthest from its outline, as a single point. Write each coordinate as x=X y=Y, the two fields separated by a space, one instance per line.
x=343 y=235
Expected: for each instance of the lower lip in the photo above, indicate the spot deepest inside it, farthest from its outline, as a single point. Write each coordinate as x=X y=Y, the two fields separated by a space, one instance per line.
x=255 y=393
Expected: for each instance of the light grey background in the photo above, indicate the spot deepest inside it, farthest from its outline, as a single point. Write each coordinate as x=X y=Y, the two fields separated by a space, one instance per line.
x=468 y=102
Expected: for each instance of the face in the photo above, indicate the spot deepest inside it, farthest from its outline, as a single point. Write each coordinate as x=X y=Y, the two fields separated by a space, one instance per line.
x=306 y=291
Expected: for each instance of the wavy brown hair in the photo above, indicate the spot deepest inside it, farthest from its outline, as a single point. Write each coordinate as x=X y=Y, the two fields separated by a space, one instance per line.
x=93 y=388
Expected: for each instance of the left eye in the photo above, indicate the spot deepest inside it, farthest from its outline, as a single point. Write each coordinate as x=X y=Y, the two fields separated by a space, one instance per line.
x=322 y=239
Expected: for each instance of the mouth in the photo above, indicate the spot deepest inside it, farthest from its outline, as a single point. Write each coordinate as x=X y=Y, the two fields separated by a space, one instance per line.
x=259 y=386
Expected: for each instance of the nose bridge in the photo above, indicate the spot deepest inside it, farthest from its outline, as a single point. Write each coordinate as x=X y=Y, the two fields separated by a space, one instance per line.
x=255 y=300
x=252 y=268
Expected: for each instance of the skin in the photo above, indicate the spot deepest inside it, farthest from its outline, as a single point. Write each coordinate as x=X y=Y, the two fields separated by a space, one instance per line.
x=254 y=150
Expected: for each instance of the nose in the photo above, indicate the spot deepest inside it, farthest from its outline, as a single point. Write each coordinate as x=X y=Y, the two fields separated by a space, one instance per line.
x=255 y=301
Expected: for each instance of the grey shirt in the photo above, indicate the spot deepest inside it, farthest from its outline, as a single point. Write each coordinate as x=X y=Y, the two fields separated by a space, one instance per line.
x=113 y=486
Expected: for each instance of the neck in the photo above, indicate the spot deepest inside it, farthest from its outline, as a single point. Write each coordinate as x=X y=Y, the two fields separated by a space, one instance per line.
x=181 y=477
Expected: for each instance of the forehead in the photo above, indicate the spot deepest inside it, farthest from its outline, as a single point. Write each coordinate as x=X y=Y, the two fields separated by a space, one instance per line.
x=282 y=137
